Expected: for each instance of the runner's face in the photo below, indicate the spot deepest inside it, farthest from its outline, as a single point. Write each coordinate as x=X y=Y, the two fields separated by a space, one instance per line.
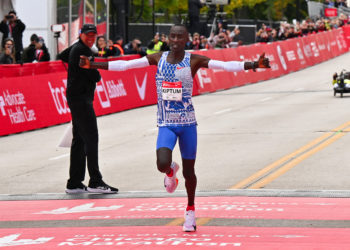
x=178 y=38
x=88 y=39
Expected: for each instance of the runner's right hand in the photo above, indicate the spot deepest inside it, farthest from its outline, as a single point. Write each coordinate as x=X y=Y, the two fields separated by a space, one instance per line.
x=84 y=62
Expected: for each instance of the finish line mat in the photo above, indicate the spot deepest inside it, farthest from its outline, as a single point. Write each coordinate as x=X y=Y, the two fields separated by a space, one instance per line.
x=167 y=237
x=156 y=223
x=146 y=208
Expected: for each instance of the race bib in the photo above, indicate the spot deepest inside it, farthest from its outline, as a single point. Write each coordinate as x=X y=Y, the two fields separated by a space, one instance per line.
x=172 y=91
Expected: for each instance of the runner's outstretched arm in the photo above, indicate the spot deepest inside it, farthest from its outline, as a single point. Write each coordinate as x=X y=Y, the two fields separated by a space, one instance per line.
x=199 y=61
x=120 y=65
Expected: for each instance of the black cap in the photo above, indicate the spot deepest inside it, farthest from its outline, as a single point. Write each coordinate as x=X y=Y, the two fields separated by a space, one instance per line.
x=118 y=37
x=87 y=28
x=34 y=38
x=12 y=12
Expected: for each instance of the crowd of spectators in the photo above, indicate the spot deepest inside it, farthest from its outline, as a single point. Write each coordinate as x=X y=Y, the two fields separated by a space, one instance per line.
x=12 y=51
x=298 y=29
x=335 y=3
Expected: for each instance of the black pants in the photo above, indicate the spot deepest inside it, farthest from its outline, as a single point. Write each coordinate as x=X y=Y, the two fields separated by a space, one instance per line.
x=84 y=144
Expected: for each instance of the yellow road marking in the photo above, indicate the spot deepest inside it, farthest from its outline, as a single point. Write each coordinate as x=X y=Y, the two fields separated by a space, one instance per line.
x=176 y=222
x=296 y=161
x=277 y=163
x=202 y=221
x=180 y=221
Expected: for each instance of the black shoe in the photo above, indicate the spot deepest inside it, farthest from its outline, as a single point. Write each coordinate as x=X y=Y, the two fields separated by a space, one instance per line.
x=76 y=189
x=102 y=188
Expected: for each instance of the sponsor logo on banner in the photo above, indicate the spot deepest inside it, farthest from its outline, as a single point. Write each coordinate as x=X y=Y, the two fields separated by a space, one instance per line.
x=14 y=106
x=59 y=98
x=80 y=209
x=307 y=50
x=291 y=55
x=203 y=77
x=107 y=90
x=314 y=49
x=338 y=39
x=300 y=55
x=273 y=64
x=12 y=240
x=283 y=61
x=141 y=89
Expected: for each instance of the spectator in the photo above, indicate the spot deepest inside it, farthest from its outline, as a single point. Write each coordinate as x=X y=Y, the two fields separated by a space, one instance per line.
x=196 y=43
x=320 y=26
x=344 y=18
x=103 y=50
x=28 y=55
x=204 y=43
x=238 y=38
x=41 y=52
x=273 y=35
x=118 y=45
x=12 y=27
x=340 y=3
x=329 y=3
x=221 y=40
x=112 y=49
x=165 y=41
x=7 y=56
x=134 y=47
x=219 y=27
x=263 y=37
x=155 y=45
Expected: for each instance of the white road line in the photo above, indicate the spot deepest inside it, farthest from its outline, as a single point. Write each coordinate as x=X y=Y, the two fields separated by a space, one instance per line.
x=152 y=129
x=222 y=111
x=266 y=99
x=299 y=89
x=59 y=157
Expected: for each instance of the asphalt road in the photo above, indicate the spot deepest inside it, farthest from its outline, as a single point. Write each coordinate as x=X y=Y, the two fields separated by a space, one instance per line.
x=285 y=133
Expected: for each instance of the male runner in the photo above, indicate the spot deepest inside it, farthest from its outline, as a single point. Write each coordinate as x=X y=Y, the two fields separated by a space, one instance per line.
x=176 y=117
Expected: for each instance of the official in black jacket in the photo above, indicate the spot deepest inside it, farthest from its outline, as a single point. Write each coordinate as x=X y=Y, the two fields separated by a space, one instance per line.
x=80 y=95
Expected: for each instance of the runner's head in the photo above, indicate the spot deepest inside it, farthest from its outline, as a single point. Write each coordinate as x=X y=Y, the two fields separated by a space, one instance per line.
x=178 y=37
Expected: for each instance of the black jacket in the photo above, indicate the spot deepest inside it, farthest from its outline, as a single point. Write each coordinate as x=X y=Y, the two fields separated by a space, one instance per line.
x=44 y=56
x=28 y=55
x=17 y=33
x=81 y=83
x=5 y=59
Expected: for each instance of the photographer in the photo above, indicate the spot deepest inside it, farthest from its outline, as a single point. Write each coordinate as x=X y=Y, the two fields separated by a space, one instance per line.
x=7 y=55
x=134 y=47
x=196 y=42
x=12 y=27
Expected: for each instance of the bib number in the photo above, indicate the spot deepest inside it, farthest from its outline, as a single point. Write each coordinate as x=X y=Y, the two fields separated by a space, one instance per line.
x=172 y=91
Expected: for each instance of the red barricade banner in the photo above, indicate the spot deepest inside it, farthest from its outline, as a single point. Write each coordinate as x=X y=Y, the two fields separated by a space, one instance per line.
x=275 y=61
x=33 y=95
x=34 y=102
x=238 y=77
x=346 y=30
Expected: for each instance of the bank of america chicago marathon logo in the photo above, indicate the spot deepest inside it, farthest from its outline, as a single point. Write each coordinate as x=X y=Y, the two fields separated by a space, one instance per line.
x=150 y=238
x=106 y=91
x=13 y=105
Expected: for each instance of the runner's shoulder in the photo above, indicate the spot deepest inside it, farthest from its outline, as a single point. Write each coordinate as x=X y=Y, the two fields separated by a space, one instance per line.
x=153 y=59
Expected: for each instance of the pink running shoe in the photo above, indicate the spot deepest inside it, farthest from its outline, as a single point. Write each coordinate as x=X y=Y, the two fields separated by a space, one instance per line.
x=170 y=183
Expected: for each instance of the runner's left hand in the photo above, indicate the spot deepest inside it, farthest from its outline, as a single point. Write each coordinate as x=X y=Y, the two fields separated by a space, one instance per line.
x=263 y=62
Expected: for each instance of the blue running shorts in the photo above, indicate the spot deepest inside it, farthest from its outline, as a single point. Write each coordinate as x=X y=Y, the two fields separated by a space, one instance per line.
x=167 y=137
